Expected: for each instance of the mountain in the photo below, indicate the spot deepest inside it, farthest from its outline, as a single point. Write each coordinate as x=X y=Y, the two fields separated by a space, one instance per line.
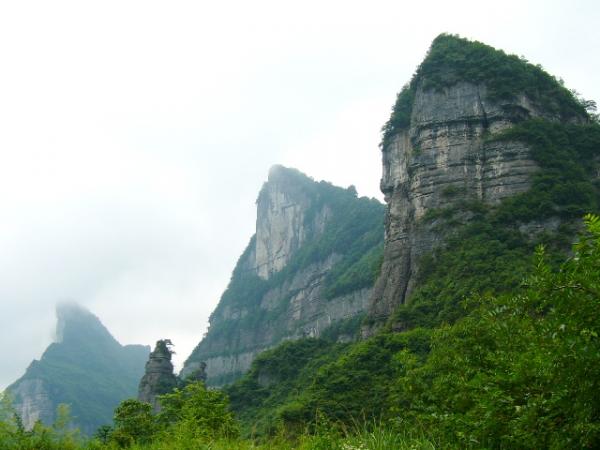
x=86 y=368
x=468 y=137
x=307 y=272
x=485 y=157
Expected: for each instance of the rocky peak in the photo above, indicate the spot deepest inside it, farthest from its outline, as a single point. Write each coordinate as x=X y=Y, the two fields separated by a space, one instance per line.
x=158 y=378
x=281 y=227
x=437 y=152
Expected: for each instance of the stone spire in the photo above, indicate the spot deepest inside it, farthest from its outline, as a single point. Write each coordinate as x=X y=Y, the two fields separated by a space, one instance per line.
x=159 y=378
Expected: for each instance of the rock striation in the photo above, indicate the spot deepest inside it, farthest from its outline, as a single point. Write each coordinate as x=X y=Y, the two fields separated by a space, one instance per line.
x=33 y=400
x=444 y=150
x=442 y=156
x=284 y=285
x=280 y=225
x=86 y=368
x=158 y=377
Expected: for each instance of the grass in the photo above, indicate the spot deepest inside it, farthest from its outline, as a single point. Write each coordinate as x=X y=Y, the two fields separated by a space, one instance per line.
x=363 y=437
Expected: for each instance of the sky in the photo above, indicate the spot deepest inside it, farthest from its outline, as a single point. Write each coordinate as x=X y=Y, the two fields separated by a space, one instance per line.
x=135 y=136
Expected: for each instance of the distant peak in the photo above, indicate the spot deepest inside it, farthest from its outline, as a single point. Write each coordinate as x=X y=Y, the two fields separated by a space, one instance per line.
x=74 y=321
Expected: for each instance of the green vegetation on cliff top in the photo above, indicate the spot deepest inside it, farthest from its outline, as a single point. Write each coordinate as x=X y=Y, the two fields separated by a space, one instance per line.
x=452 y=59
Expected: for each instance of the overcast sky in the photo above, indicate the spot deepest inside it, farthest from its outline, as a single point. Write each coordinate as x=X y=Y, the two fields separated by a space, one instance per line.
x=134 y=136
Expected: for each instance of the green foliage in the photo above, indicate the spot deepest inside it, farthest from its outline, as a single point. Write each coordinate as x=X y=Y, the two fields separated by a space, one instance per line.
x=134 y=423
x=489 y=253
x=567 y=156
x=89 y=370
x=499 y=347
x=289 y=384
x=521 y=371
x=356 y=385
x=480 y=257
x=486 y=256
x=452 y=59
x=401 y=112
x=189 y=418
x=278 y=377
x=196 y=419
x=196 y=415
x=354 y=273
x=59 y=436
x=344 y=330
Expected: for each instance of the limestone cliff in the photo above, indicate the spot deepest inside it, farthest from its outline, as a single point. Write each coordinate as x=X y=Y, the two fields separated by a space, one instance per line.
x=280 y=224
x=310 y=265
x=86 y=368
x=158 y=377
x=439 y=149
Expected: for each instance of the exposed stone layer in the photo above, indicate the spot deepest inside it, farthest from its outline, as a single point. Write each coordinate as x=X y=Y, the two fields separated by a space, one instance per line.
x=307 y=314
x=281 y=227
x=33 y=402
x=444 y=157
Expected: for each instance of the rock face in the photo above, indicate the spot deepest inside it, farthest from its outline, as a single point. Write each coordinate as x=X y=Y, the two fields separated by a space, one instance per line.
x=444 y=151
x=278 y=290
x=280 y=228
x=442 y=157
x=32 y=400
x=158 y=378
x=87 y=369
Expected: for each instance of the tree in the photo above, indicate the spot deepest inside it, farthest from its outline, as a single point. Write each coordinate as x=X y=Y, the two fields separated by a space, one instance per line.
x=195 y=413
x=134 y=423
x=521 y=370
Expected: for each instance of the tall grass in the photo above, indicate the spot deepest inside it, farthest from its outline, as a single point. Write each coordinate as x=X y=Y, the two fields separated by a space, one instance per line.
x=364 y=436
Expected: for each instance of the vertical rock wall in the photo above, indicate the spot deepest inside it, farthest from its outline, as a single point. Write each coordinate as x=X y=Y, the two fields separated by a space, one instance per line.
x=280 y=228
x=442 y=158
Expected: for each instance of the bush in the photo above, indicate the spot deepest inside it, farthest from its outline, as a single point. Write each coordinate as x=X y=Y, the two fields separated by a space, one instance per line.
x=195 y=414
